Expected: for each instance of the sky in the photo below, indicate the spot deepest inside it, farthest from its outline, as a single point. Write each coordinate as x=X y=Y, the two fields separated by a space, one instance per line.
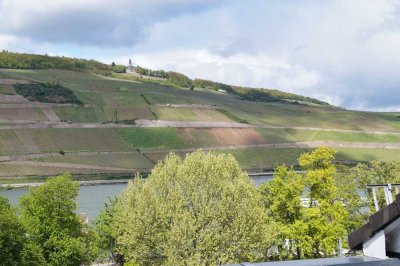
x=345 y=52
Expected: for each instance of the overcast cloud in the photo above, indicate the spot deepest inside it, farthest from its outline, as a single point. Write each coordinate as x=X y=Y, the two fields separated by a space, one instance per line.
x=344 y=52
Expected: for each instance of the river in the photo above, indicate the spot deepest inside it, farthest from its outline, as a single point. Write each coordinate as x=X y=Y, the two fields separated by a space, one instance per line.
x=91 y=199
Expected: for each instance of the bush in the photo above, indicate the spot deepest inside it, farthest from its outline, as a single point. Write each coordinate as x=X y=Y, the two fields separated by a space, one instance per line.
x=47 y=92
x=34 y=61
x=118 y=69
x=203 y=210
x=179 y=79
x=55 y=232
x=11 y=235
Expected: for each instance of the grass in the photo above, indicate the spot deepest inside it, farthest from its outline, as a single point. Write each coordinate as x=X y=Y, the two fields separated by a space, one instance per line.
x=75 y=176
x=292 y=135
x=10 y=144
x=108 y=100
x=231 y=116
x=131 y=160
x=365 y=155
x=10 y=174
x=189 y=114
x=251 y=159
x=10 y=170
x=7 y=89
x=72 y=139
x=151 y=138
x=80 y=114
x=22 y=113
x=261 y=159
x=95 y=90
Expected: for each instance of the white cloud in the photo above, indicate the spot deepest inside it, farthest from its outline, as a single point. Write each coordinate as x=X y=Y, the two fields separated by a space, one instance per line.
x=345 y=52
x=90 y=22
x=238 y=69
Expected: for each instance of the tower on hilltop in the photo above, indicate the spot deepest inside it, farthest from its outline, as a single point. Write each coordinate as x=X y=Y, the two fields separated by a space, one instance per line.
x=130 y=68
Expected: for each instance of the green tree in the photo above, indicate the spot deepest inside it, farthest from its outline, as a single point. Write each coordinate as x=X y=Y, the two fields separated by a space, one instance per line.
x=105 y=226
x=52 y=225
x=312 y=230
x=11 y=235
x=375 y=172
x=203 y=210
x=118 y=68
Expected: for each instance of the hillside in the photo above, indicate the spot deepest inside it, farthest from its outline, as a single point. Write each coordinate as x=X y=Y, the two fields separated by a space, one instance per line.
x=10 y=60
x=124 y=126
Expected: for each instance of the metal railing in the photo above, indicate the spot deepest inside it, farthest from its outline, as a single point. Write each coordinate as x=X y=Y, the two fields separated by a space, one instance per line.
x=388 y=189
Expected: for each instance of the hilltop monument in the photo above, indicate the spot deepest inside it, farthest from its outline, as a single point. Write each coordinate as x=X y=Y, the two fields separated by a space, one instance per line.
x=130 y=68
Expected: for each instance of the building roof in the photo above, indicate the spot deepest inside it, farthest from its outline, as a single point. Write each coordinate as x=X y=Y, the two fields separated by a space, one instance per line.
x=378 y=221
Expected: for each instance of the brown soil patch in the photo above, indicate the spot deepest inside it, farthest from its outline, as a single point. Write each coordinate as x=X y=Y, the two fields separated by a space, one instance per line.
x=233 y=136
x=21 y=113
x=50 y=114
x=12 y=99
x=209 y=115
x=221 y=136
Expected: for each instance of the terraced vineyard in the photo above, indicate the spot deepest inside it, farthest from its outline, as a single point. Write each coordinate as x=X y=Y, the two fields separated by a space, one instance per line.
x=126 y=126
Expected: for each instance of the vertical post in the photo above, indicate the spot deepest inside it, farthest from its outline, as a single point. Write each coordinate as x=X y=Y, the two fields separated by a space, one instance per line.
x=375 y=200
x=340 y=251
x=388 y=195
x=396 y=190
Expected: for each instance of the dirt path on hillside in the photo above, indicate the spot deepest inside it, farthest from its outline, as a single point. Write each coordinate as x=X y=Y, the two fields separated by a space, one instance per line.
x=72 y=166
x=18 y=124
x=189 y=124
x=22 y=104
x=196 y=106
x=299 y=145
x=21 y=124
x=32 y=156
x=306 y=144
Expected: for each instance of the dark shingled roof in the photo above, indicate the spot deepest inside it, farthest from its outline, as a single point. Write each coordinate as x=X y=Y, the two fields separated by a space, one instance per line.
x=377 y=221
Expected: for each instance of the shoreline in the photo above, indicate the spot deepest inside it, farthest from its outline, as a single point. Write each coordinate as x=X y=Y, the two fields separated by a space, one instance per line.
x=105 y=182
x=81 y=183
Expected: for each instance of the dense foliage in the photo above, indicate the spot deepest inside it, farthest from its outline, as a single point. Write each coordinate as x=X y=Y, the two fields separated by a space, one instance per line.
x=48 y=231
x=32 y=61
x=252 y=94
x=55 y=232
x=179 y=79
x=152 y=73
x=312 y=230
x=105 y=228
x=47 y=92
x=11 y=235
x=203 y=210
x=374 y=172
x=118 y=68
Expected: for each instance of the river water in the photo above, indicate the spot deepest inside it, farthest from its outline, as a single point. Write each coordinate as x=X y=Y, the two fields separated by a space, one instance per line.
x=91 y=199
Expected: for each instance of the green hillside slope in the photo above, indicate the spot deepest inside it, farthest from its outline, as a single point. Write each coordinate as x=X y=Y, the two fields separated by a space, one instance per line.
x=123 y=126
x=12 y=60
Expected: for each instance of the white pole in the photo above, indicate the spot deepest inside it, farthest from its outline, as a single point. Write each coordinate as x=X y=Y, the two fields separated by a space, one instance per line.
x=375 y=200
